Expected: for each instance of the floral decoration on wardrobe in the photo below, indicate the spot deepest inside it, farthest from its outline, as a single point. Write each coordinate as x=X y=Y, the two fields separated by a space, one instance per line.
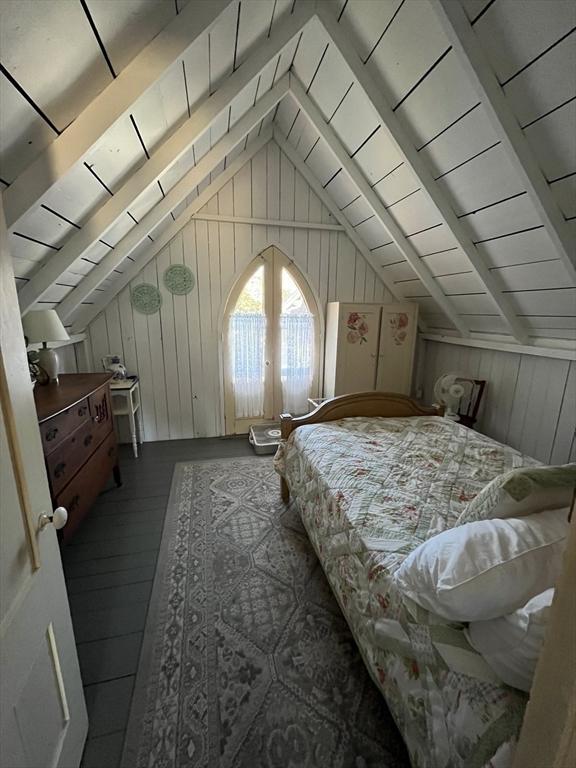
x=399 y=325
x=357 y=328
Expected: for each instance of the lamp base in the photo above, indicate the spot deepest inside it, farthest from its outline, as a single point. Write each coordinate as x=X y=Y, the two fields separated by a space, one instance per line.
x=48 y=360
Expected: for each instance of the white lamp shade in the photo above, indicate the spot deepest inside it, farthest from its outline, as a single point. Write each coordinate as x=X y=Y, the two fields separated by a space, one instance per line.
x=44 y=325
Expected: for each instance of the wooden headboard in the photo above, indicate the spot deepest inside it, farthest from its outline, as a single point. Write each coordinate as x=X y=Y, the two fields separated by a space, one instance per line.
x=388 y=404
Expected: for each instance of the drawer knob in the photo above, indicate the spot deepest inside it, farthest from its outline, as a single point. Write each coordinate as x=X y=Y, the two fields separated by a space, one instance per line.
x=58 y=518
x=59 y=470
x=88 y=439
x=51 y=434
x=96 y=419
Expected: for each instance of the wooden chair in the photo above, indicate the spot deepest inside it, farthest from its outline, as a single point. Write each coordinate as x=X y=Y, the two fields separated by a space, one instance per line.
x=468 y=410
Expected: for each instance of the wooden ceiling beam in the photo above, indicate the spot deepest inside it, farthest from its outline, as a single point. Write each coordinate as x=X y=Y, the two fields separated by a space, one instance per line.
x=483 y=79
x=431 y=189
x=90 y=311
x=353 y=171
x=168 y=153
x=115 y=101
x=173 y=198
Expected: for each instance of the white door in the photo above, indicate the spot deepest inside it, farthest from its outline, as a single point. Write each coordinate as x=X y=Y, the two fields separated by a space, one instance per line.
x=43 y=721
x=272 y=343
x=398 y=332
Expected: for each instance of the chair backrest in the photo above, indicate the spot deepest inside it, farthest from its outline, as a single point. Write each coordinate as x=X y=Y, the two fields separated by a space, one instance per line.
x=468 y=410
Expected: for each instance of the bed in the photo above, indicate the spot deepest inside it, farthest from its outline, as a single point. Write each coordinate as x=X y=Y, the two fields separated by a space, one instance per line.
x=374 y=475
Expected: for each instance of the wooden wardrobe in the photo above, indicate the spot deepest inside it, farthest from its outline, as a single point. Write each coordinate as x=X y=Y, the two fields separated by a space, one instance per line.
x=369 y=346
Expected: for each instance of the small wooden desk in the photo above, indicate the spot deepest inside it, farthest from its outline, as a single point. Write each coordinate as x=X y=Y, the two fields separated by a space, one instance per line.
x=126 y=402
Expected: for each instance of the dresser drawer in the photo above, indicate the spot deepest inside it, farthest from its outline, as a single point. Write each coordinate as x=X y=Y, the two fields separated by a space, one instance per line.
x=81 y=492
x=67 y=458
x=53 y=431
x=101 y=413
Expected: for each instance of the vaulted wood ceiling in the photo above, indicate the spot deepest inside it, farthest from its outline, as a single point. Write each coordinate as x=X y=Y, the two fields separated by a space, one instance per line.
x=440 y=133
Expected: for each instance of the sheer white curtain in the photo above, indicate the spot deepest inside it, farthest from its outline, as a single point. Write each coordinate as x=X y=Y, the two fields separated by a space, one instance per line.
x=247 y=349
x=297 y=361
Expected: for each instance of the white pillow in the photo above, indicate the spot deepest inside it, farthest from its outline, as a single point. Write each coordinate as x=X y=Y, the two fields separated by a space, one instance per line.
x=486 y=569
x=511 y=644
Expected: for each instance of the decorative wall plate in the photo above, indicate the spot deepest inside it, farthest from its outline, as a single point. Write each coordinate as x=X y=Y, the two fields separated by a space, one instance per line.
x=146 y=298
x=178 y=279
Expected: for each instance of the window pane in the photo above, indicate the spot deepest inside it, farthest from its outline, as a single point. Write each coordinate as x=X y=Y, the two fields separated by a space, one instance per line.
x=251 y=300
x=297 y=347
x=293 y=301
x=247 y=341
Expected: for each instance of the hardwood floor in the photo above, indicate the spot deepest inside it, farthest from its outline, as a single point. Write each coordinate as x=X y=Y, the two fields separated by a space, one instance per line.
x=109 y=567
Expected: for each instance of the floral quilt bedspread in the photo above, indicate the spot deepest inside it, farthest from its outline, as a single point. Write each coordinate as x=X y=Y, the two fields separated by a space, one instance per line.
x=369 y=491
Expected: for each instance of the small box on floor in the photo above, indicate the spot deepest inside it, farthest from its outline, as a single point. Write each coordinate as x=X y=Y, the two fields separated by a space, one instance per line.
x=265 y=438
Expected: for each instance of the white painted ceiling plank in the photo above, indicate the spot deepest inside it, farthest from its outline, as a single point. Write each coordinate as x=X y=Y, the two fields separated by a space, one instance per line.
x=551 y=303
x=443 y=97
x=355 y=120
x=533 y=276
x=565 y=193
x=161 y=109
x=367 y=20
x=377 y=158
x=75 y=196
x=127 y=27
x=222 y=39
x=116 y=155
x=483 y=79
x=166 y=155
x=112 y=103
x=328 y=202
x=177 y=194
x=414 y=41
x=447 y=262
x=51 y=51
x=513 y=33
x=523 y=248
x=539 y=89
x=476 y=183
x=392 y=125
x=371 y=197
x=467 y=138
x=23 y=133
x=503 y=218
x=89 y=312
x=330 y=83
x=553 y=142
x=434 y=240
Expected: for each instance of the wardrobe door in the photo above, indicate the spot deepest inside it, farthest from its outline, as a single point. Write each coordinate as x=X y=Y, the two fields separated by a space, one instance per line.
x=398 y=329
x=358 y=327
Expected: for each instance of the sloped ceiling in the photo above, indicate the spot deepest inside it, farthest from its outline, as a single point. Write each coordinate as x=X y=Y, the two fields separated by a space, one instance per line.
x=376 y=101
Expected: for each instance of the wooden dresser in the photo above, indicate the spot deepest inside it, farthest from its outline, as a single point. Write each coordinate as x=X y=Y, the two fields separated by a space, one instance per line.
x=77 y=432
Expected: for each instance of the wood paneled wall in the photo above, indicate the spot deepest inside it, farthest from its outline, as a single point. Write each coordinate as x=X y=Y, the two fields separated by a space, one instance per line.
x=176 y=351
x=529 y=402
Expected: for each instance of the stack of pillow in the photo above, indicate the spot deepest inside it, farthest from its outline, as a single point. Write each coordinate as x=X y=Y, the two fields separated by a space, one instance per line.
x=497 y=567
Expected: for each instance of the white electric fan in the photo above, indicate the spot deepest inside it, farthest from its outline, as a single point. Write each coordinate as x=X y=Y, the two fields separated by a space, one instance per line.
x=449 y=391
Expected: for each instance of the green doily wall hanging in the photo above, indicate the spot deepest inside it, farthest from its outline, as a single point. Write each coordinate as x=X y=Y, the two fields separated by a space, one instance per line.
x=179 y=279
x=146 y=298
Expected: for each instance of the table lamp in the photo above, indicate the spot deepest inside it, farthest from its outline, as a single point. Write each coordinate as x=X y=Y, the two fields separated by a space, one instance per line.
x=44 y=325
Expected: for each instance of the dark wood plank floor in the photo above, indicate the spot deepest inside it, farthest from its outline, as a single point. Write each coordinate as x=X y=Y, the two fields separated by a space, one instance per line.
x=109 y=568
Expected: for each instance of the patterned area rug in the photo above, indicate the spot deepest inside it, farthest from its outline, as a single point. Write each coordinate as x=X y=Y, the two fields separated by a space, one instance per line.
x=247 y=661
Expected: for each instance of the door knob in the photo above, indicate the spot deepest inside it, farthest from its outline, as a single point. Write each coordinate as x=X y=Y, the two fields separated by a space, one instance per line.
x=59 y=518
